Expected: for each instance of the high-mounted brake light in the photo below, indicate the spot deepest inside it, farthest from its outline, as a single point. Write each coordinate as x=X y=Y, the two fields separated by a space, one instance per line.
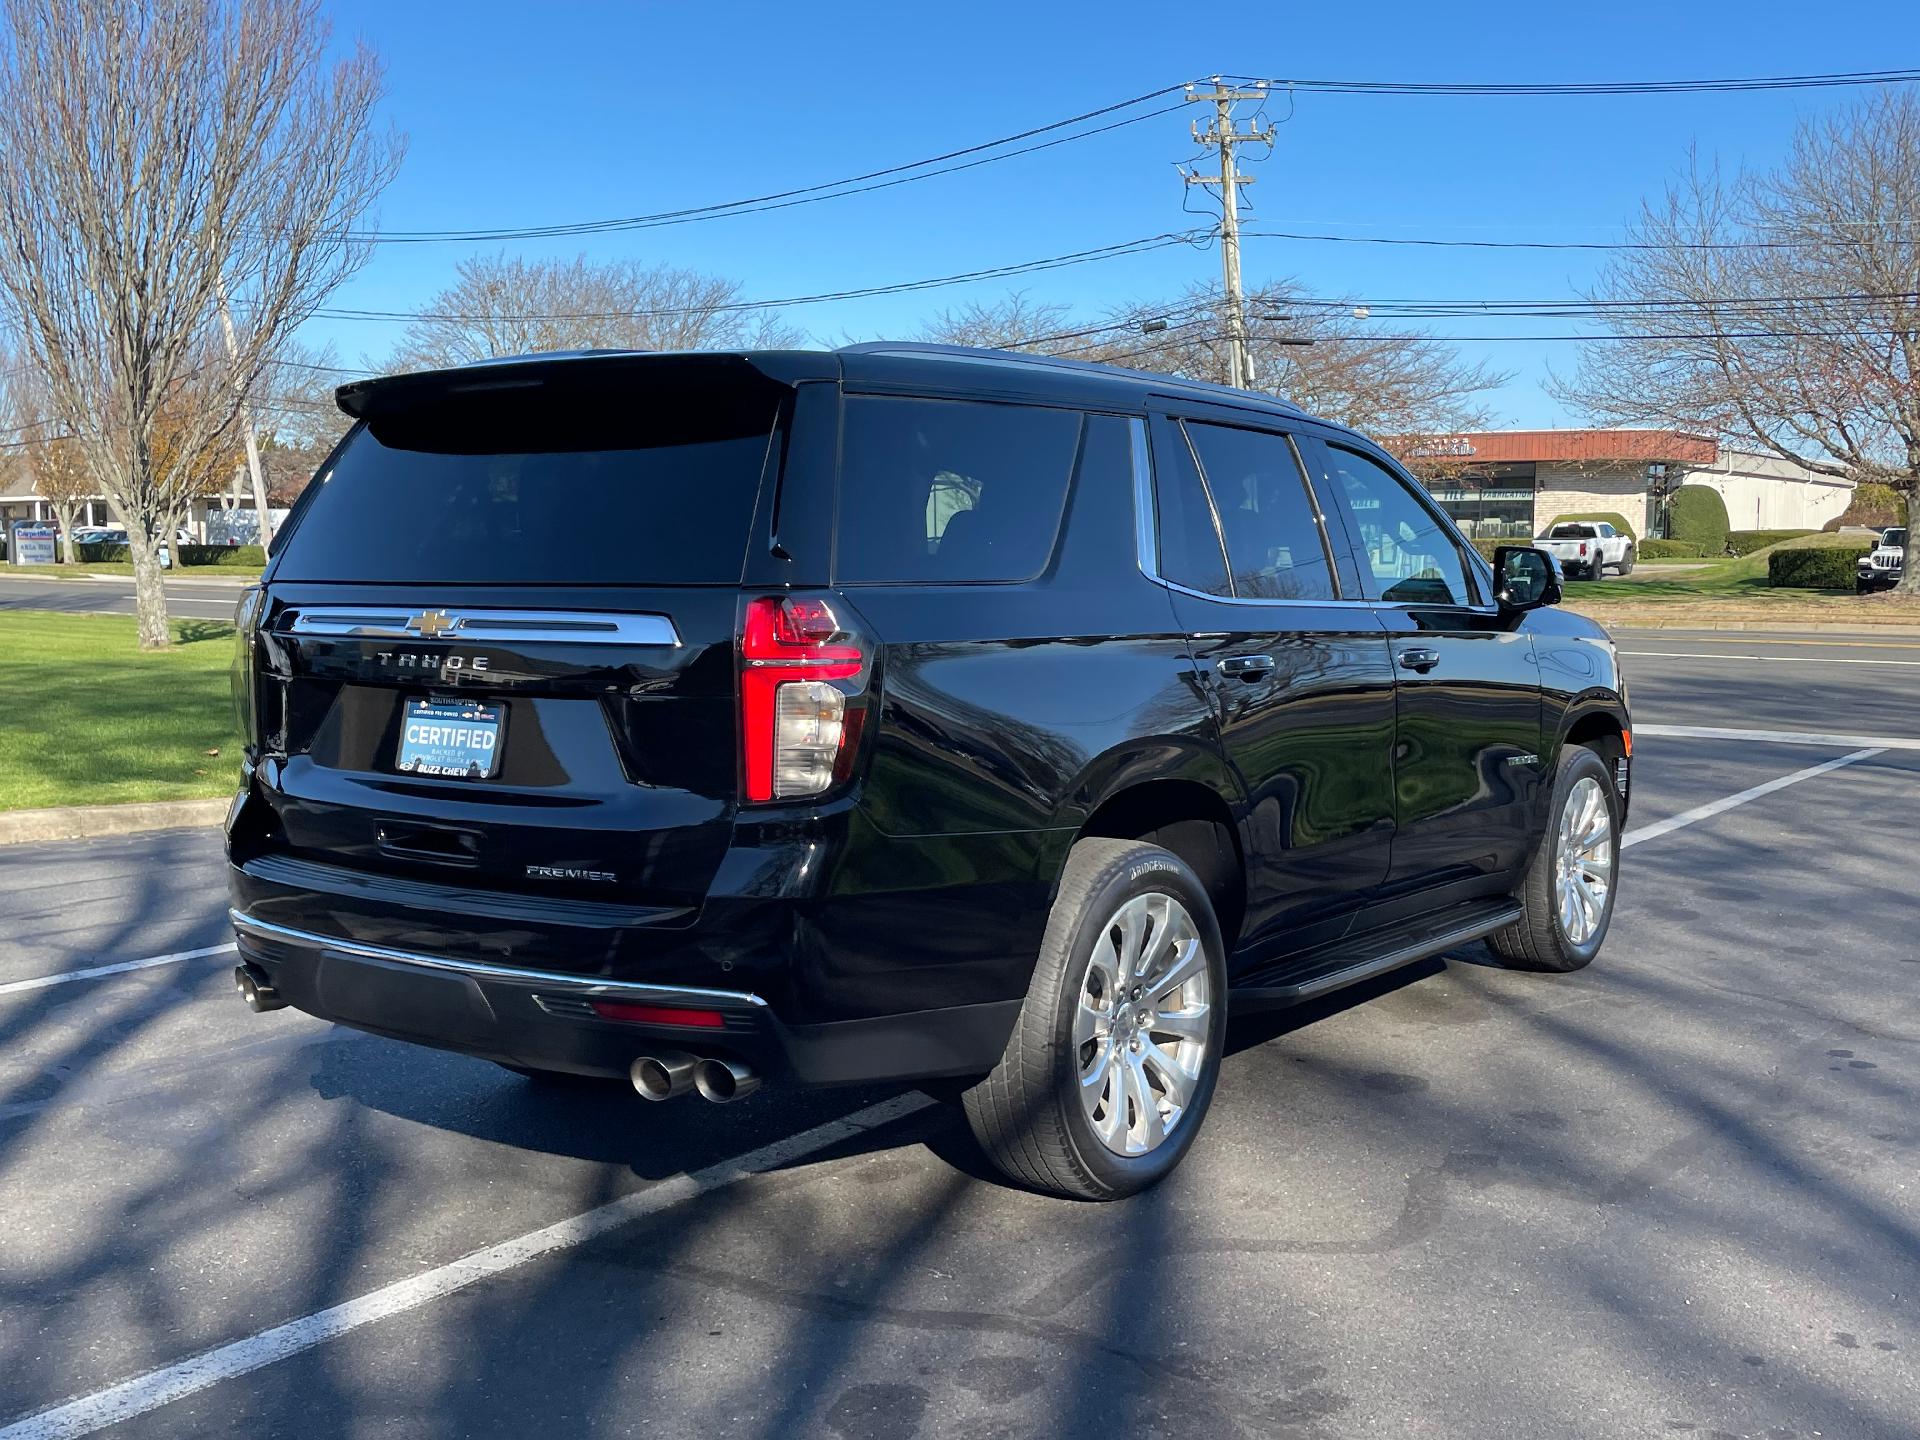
x=794 y=722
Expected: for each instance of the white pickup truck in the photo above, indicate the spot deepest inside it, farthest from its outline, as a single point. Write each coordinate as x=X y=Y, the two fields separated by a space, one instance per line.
x=1584 y=548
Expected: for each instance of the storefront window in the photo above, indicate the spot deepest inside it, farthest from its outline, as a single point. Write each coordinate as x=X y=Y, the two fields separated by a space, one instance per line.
x=1496 y=504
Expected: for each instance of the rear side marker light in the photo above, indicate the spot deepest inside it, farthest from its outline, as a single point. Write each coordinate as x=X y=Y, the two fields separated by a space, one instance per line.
x=658 y=1015
x=795 y=726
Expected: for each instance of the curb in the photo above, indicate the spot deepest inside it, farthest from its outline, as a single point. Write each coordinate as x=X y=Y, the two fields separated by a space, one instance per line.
x=1775 y=627
x=90 y=822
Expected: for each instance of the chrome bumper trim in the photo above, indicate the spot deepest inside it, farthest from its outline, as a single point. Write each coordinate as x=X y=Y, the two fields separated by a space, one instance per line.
x=583 y=985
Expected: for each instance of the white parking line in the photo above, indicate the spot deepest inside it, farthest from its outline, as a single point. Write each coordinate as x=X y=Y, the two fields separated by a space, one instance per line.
x=1720 y=807
x=88 y=1413
x=1776 y=659
x=94 y=972
x=1779 y=737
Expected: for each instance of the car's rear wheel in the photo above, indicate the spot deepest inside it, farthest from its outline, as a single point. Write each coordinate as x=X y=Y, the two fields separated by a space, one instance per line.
x=1567 y=897
x=1112 y=1063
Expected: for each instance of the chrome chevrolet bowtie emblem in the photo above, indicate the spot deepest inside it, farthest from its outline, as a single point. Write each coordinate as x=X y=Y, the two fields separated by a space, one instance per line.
x=431 y=623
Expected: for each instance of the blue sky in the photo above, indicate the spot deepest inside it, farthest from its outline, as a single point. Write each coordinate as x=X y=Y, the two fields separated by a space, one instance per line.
x=522 y=114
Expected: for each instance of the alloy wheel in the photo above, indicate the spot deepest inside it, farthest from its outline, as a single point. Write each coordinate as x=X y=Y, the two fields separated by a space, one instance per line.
x=1583 y=860
x=1143 y=1024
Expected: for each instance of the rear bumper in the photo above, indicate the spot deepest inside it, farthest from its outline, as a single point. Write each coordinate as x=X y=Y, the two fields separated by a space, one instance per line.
x=545 y=1020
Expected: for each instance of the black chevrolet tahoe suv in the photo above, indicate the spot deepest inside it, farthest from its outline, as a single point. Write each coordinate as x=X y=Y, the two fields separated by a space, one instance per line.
x=903 y=713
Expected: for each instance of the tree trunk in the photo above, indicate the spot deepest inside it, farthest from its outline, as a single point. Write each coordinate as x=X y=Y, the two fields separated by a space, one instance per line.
x=1909 y=582
x=64 y=516
x=149 y=593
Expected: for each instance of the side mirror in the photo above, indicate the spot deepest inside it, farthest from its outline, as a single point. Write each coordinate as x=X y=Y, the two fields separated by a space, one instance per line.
x=1525 y=578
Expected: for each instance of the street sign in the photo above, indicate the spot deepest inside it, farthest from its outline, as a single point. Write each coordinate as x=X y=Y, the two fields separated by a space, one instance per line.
x=33 y=544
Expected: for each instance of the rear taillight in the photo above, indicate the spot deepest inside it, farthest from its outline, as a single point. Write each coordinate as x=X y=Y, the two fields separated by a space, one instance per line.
x=1583 y=547
x=246 y=620
x=796 y=727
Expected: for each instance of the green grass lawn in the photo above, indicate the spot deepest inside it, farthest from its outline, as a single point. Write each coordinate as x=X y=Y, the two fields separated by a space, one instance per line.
x=1723 y=577
x=86 y=718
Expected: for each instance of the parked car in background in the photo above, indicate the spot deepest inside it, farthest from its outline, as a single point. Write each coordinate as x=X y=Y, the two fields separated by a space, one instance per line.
x=1882 y=567
x=909 y=713
x=1585 y=548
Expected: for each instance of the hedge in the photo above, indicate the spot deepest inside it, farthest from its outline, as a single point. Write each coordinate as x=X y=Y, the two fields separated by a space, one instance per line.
x=1698 y=515
x=1619 y=522
x=245 y=557
x=1831 y=567
x=1667 y=550
x=1745 y=542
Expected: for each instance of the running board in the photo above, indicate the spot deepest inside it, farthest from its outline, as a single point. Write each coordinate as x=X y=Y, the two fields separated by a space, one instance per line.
x=1355 y=958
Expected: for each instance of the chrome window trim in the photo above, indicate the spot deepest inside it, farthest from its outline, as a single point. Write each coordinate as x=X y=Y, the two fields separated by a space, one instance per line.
x=571 y=627
x=583 y=985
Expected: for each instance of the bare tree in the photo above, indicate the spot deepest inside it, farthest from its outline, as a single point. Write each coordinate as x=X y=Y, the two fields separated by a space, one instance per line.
x=153 y=152
x=1405 y=392
x=1015 y=323
x=511 y=305
x=46 y=461
x=1781 y=307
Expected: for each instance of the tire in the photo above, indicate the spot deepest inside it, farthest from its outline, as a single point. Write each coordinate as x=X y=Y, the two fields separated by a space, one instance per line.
x=1543 y=938
x=1625 y=567
x=1028 y=1113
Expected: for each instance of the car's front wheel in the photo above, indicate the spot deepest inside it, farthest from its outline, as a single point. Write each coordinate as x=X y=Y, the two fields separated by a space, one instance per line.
x=1113 y=1061
x=1625 y=567
x=1567 y=896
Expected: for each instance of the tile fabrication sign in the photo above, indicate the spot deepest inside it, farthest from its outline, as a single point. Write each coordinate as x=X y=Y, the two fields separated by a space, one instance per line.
x=33 y=544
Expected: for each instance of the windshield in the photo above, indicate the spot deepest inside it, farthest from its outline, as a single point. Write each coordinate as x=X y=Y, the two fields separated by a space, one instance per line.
x=1894 y=538
x=576 y=484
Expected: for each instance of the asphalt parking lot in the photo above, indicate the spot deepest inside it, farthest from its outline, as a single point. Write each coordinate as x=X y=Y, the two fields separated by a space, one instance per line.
x=1674 y=1194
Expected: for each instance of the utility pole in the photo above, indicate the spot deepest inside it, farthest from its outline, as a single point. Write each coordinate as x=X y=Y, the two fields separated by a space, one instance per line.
x=1222 y=135
x=246 y=424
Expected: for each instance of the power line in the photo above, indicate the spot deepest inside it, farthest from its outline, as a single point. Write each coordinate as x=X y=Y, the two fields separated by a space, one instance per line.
x=1141 y=246
x=882 y=179
x=1489 y=88
x=1528 y=244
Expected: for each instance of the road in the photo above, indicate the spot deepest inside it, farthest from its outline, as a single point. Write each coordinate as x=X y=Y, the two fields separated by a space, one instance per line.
x=113 y=595
x=1673 y=1194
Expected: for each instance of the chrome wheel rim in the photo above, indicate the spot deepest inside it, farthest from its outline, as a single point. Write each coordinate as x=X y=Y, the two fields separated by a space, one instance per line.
x=1143 y=1024
x=1583 y=860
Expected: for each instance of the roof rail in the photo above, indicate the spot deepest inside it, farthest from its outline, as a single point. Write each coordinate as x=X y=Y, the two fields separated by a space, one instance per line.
x=980 y=354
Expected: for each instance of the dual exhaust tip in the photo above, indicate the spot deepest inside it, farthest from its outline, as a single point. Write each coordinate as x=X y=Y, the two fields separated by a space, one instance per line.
x=256 y=988
x=674 y=1073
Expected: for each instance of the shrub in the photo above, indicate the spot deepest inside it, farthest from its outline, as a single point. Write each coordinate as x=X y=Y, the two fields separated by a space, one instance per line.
x=102 y=553
x=1829 y=567
x=250 y=557
x=1619 y=522
x=1874 y=505
x=1698 y=515
x=1667 y=550
x=1745 y=542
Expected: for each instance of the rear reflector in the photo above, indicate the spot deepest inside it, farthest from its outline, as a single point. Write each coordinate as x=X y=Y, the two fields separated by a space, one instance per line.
x=658 y=1015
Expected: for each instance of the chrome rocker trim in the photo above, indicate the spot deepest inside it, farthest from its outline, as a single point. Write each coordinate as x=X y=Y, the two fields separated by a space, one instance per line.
x=581 y=985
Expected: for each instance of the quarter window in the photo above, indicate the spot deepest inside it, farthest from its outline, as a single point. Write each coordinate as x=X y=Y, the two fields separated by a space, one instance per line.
x=1273 y=540
x=950 y=490
x=1409 y=556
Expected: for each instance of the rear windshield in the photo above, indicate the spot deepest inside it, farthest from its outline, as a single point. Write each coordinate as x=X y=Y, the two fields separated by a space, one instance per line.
x=1572 y=532
x=587 y=483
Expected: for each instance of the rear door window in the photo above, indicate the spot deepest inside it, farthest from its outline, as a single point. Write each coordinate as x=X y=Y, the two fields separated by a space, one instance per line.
x=581 y=484
x=950 y=491
x=1266 y=518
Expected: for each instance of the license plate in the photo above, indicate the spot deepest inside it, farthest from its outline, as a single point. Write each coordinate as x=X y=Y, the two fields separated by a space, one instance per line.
x=450 y=737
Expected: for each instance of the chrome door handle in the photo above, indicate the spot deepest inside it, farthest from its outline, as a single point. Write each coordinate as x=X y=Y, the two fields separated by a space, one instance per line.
x=1247 y=667
x=1419 y=660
